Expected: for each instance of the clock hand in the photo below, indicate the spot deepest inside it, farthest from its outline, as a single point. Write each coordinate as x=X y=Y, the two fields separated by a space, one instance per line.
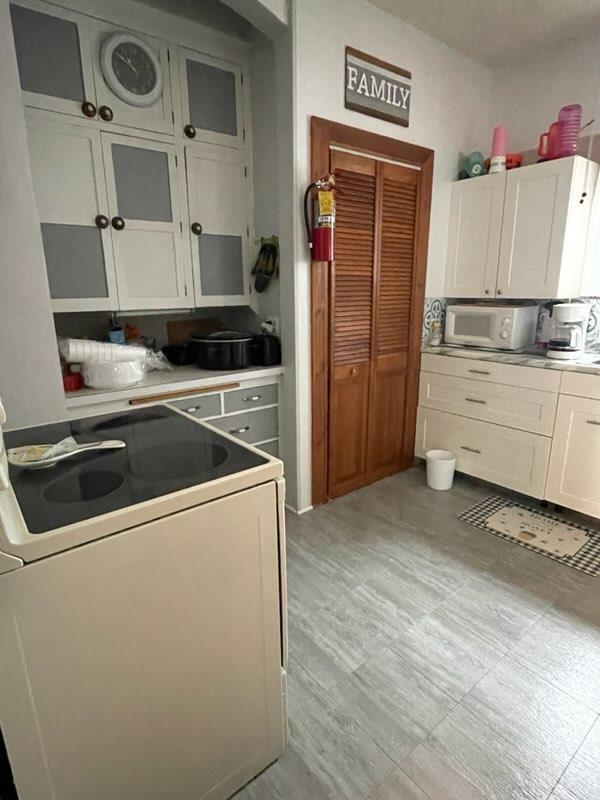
x=127 y=62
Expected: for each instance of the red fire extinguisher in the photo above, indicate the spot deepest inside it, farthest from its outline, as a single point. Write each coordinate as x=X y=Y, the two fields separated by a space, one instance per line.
x=319 y=218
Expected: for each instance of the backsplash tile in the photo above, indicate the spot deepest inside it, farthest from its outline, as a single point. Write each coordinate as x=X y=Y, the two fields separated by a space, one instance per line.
x=435 y=311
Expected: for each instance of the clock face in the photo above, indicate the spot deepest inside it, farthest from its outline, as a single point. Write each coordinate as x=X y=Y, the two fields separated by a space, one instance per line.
x=134 y=68
x=131 y=69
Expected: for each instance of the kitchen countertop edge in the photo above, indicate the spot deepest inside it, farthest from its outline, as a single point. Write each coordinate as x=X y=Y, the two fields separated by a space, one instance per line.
x=159 y=382
x=517 y=359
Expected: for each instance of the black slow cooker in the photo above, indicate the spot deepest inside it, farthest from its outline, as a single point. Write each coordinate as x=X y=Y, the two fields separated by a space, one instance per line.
x=223 y=350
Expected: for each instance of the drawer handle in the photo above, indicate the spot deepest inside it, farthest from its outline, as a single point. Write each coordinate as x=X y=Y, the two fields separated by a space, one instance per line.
x=245 y=429
x=192 y=409
x=252 y=399
x=479 y=372
x=475 y=400
x=593 y=422
x=470 y=449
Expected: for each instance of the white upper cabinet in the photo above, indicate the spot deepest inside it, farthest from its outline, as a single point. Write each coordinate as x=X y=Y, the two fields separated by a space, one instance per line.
x=143 y=199
x=474 y=236
x=218 y=196
x=545 y=228
x=133 y=86
x=523 y=233
x=211 y=99
x=54 y=58
x=70 y=193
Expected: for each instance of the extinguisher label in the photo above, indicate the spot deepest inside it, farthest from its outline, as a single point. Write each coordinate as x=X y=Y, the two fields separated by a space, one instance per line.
x=325 y=203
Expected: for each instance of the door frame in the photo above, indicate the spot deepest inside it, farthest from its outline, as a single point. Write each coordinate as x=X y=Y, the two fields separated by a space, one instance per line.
x=324 y=134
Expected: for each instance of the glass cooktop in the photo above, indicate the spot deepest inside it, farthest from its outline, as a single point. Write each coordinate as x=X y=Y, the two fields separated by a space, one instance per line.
x=165 y=452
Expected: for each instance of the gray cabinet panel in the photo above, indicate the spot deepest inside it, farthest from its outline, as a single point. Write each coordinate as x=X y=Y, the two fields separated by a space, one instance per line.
x=205 y=405
x=254 y=426
x=245 y=399
x=74 y=261
x=221 y=264
x=211 y=98
x=142 y=183
x=48 y=54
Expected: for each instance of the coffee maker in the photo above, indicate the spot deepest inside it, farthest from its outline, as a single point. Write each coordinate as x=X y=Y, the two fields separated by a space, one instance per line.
x=569 y=322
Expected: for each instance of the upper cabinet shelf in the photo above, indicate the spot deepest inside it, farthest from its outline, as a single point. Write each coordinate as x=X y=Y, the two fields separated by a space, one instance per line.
x=523 y=233
x=211 y=99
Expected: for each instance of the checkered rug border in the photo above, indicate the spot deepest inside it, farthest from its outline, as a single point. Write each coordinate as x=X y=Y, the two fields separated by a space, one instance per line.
x=586 y=560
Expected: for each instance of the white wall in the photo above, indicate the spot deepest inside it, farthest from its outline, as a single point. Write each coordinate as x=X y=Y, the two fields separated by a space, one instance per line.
x=527 y=94
x=449 y=113
x=30 y=383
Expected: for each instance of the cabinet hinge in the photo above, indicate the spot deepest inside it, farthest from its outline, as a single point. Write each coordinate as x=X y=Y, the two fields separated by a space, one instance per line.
x=185 y=288
x=168 y=55
x=176 y=161
x=247 y=232
x=173 y=116
x=181 y=226
x=245 y=172
x=242 y=78
x=244 y=134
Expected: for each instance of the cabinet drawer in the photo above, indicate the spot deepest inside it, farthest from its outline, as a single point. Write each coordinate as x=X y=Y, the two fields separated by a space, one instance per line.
x=515 y=459
x=513 y=406
x=547 y=380
x=580 y=384
x=244 y=399
x=574 y=473
x=203 y=405
x=253 y=426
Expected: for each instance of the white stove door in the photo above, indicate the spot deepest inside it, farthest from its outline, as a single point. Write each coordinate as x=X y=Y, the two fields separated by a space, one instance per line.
x=147 y=665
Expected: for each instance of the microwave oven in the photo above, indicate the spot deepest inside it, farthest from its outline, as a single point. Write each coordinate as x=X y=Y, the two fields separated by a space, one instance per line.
x=499 y=327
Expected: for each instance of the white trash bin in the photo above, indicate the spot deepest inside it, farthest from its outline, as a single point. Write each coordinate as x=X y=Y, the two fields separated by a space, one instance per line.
x=440 y=469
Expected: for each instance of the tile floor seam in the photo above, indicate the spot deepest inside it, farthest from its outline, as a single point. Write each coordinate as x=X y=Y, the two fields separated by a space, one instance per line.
x=562 y=774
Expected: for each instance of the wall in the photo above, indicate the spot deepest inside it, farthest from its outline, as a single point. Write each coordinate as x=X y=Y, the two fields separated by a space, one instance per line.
x=449 y=114
x=30 y=383
x=527 y=95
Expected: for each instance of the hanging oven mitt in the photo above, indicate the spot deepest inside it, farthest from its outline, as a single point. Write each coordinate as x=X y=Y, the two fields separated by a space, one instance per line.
x=267 y=263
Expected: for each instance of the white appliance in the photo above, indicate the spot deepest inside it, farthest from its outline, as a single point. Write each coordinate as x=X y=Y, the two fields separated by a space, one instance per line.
x=569 y=330
x=142 y=612
x=507 y=327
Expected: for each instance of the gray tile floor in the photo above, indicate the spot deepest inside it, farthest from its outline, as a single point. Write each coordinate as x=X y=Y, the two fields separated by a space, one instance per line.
x=432 y=661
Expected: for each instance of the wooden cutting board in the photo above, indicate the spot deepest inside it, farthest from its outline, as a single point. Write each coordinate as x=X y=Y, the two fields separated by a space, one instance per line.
x=180 y=330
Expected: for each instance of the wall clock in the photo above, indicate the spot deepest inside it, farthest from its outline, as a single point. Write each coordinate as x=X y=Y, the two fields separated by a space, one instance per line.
x=131 y=69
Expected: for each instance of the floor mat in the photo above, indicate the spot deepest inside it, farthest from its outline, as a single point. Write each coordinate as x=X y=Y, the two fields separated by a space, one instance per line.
x=572 y=544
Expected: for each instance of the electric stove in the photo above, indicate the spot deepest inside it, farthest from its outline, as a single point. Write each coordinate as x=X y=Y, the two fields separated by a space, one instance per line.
x=166 y=452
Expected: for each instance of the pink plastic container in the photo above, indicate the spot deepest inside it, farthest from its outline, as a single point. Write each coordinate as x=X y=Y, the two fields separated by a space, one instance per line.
x=498 y=141
x=569 y=118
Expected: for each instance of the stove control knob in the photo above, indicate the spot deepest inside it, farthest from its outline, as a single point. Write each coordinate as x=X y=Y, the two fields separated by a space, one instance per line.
x=504 y=334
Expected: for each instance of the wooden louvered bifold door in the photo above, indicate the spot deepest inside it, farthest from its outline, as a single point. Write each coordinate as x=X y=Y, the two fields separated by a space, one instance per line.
x=393 y=291
x=351 y=310
x=370 y=311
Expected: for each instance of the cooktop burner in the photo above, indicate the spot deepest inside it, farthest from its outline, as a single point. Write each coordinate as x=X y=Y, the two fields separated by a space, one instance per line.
x=165 y=452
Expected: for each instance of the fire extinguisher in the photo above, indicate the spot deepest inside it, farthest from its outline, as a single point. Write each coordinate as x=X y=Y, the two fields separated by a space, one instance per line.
x=319 y=230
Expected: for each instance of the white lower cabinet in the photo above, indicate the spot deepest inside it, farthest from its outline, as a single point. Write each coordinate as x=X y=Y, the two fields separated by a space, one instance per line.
x=574 y=473
x=512 y=458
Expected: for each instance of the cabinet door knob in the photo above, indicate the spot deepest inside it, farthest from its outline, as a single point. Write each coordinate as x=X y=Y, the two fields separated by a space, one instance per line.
x=470 y=449
x=190 y=131
x=118 y=223
x=101 y=221
x=251 y=399
x=487 y=291
x=196 y=228
x=88 y=109
x=245 y=429
x=498 y=291
x=105 y=113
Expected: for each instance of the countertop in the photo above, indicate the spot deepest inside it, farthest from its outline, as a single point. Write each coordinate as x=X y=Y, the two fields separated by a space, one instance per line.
x=519 y=358
x=160 y=381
